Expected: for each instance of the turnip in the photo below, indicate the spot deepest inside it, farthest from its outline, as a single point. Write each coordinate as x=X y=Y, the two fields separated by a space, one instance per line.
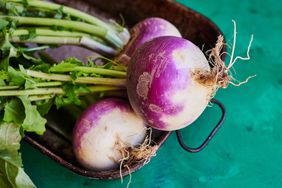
x=108 y=133
x=170 y=81
x=147 y=30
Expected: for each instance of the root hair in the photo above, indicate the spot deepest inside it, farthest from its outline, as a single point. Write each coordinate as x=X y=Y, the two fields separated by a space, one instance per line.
x=220 y=75
x=132 y=155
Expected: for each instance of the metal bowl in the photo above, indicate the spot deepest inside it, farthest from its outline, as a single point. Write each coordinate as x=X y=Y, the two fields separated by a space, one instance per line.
x=56 y=142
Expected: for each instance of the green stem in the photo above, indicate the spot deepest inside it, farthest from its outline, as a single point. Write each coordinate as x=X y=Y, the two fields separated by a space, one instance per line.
x=82 y=80
x=49 y=32
x=70 y=40
x=97 y=46
x=101 y=71
x=48 y=84
x=38 y=91
x=66 y=10
x=40 y=97
x=8 y=87
x=33 y=49
x=48 y=40
x=55 y=91
x=109 y=93
x=40 y=84
x=75 y=25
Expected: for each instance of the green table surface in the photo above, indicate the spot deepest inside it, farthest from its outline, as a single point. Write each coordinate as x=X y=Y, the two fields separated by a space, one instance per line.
x=247 y=151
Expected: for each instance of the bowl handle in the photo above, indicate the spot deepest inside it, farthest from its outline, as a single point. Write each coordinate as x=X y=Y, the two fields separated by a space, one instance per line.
x=210 y=136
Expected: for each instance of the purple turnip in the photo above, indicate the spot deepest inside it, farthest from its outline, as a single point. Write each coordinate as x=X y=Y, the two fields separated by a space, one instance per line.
x=145 y=31
x=104 y=133
x=170 y=81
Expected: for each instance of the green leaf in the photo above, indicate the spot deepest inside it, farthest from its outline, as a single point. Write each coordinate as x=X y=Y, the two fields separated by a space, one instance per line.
x=43 y=107
x=74 y=75
x=108 y=66
x=31 y=34
x=4 y=63
x=71 y=96
x=14 y=111
x=2 y=5
x=32 y=59
x=72 y=60
x=16 y=77
x=2 y=82
x=10 y=143
x=29 y=82
x=20 y=78
x=4 y=181
x=70 y=91
x=33 y=121
x=7 y=50
x=4 y=75
x=11 y=173
x=42 y=67
x=23 y=181
x=2 y=105
x=59 y=13
x=3 y=24
x=13 y=9
x=66 y=64
x=62 y=67
x=13 y=177
x=61 y=100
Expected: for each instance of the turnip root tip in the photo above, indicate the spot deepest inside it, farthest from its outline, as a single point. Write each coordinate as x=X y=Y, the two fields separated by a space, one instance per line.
x=220 y=75
x=138 y=154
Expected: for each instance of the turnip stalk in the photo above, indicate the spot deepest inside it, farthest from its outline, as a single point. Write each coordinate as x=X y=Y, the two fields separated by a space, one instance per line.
x=40 y=84
x=68 y=24
x=82 y=41
x=81 y=80
x=33 y=98
x=50 y=32
x=49 y=36
x=55 y=91
x=66 y=10
x=101 y=71
x=79 y=28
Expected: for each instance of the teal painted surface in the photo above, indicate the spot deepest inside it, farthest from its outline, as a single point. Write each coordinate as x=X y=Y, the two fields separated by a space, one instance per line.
x=247 y=151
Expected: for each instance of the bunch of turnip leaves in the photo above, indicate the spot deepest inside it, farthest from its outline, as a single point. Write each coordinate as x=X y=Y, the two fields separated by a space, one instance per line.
x=30 y=86
x=45 y=22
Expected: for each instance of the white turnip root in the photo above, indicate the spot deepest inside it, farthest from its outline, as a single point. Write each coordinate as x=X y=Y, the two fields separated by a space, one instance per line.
x=109 y=133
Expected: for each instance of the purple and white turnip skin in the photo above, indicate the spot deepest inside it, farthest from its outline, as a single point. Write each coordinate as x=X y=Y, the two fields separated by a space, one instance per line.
x=161 y=85
x=102 y=130
x=147 y=30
